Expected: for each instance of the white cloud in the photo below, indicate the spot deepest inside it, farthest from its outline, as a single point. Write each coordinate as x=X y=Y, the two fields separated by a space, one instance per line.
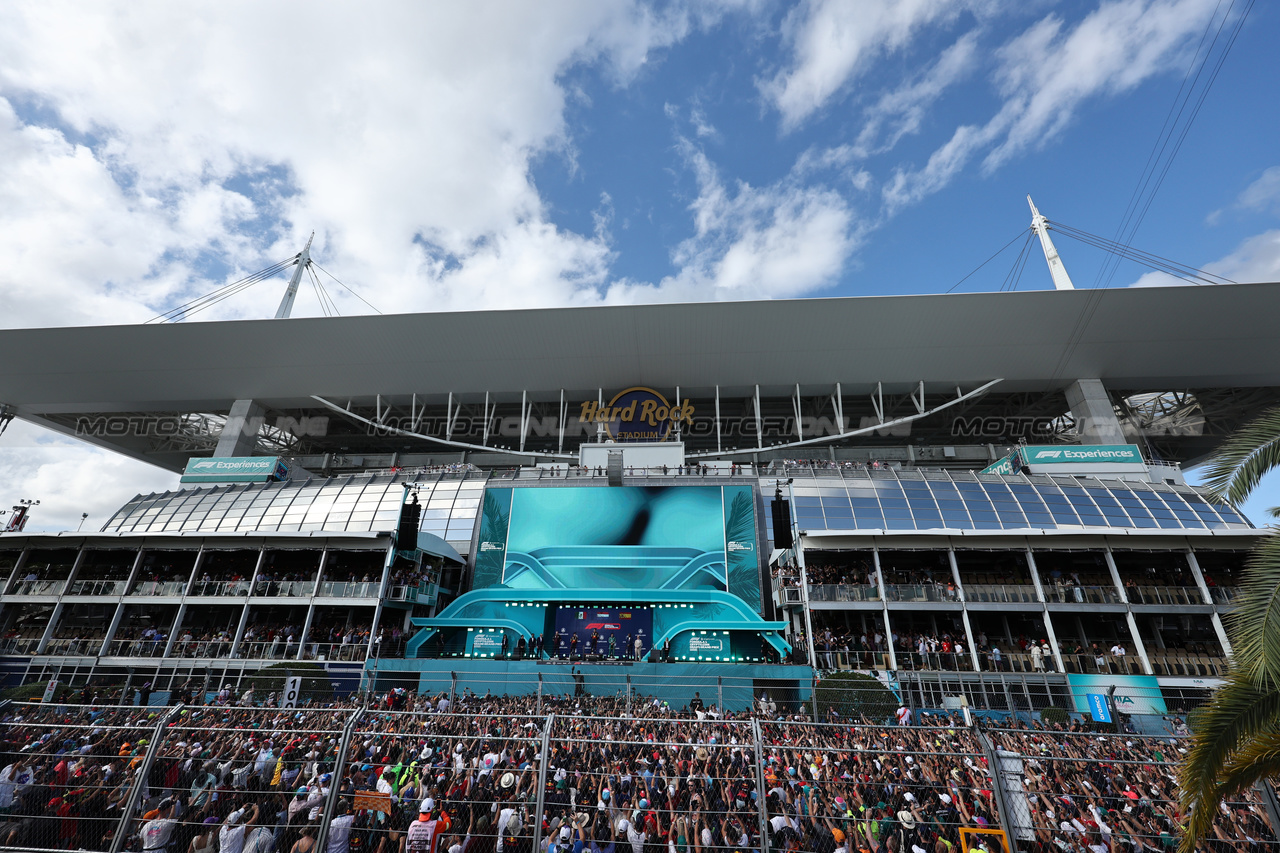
x=69 y=477
x=833 y=42
x=900 y=112
x=1263 y=193
x=781 y=240
x=374 y=127
x=1255 y=259
x=1048 y=72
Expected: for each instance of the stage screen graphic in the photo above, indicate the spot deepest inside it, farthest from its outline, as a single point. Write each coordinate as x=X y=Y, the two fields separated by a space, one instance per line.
x=630 y=538
x=621 y=623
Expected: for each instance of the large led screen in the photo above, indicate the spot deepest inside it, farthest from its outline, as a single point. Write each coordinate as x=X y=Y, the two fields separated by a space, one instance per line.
x=631 y=538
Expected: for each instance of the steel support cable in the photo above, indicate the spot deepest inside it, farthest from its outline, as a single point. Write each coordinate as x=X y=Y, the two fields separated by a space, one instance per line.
x=1185 y=272
x=325 y=291
x=1021 y=267
x=345 y=287
x=1186 y=128
x=227 y=290
x=324 y=309
x=1019 y=260
x=1129 y=224
x=984 y=263
x=1171 y=118
x=326 y=301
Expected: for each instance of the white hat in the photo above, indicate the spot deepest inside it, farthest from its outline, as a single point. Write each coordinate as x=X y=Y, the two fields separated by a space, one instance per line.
x=427 y=805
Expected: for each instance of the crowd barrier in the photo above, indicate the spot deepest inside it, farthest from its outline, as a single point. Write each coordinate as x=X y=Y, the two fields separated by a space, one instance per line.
x=185 y=779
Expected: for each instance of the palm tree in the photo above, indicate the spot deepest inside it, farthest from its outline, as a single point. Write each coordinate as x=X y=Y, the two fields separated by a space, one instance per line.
x=1237 y=733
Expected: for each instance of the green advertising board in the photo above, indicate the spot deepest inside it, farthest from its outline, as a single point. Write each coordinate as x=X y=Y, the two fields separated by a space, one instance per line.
x=234 y=469
x=1075 y=454
x=1004 y=466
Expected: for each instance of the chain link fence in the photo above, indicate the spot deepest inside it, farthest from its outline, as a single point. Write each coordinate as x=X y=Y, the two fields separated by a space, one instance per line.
x=455 y=773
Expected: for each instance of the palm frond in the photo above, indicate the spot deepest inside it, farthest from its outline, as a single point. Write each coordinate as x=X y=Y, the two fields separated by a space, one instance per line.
x=1254 y=625
x=1234 y=716
x=1245 y=458
x=1256 y=760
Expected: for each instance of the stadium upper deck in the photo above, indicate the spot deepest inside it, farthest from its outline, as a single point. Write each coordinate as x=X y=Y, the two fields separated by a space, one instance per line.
x=890 y=377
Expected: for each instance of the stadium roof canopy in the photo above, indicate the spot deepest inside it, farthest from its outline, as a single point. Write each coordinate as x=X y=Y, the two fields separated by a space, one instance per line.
x=1138 y=339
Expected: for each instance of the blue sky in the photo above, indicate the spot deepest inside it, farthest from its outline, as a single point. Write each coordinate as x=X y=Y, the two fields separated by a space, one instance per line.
x=461 y=156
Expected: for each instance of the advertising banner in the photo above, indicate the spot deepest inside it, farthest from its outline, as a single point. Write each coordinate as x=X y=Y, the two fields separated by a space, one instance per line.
x=1134 y=694
x=622 y=624
x=1004 y=466
x=1098 y=708
x=484 y=642
x=235 y=469
x=1069 y=454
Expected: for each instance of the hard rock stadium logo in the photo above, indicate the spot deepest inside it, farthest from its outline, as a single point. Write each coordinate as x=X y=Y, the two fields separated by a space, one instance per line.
x=638 y=414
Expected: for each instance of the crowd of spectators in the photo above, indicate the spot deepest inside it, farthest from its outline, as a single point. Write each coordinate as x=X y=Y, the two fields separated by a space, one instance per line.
x=422 y=774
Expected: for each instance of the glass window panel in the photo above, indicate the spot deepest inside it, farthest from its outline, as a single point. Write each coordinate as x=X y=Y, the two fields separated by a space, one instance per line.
x=877 y=523
x=926 y=520
x=896 y=503
x=899 y=523
x=987 y=525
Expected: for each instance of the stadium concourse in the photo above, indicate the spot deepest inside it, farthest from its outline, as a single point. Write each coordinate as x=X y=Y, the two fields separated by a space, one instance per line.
x=413 y=773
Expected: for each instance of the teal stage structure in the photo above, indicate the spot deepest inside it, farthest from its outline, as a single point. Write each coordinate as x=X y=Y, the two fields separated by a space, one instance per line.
x=681 y=560
x=735 y=686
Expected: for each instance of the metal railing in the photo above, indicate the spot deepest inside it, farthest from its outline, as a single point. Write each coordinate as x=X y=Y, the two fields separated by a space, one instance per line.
x=919 y=592
x=842 y=592
x=1081 y=594
x=1224 y=594
x=1010 y=593
x=349 y=589
x=27 y=587
x=176 y=778
x=97 y=587
x=172 y=588
x=284 y=589
x=1164 y=595
x=219 y=588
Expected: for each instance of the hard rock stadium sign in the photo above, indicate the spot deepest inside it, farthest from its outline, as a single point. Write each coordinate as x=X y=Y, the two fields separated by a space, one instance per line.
x=638 y=414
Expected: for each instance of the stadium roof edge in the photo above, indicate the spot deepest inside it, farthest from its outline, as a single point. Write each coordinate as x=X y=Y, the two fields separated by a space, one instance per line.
x=1140 y=338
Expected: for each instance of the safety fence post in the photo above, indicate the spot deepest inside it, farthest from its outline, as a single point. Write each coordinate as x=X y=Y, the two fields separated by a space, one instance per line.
x=720 y=695
x=761 y=790
x=539 y=693
x=1268 y=796
x=339 y=763
x=543 y=757
x=1014 y=814
x=140 y=782
x=453 y=689
x=628 y=694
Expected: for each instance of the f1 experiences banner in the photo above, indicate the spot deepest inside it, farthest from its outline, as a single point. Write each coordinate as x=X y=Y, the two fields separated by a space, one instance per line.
x=667 y=537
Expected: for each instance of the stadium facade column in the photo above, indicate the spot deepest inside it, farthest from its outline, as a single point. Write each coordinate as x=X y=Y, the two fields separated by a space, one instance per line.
x=1128 y=613
x=1095 y=416
x=964 y=608
x=1044 y=610
x=1218 y=627
x=884 y=607
x=244 y=614
x=240 y=432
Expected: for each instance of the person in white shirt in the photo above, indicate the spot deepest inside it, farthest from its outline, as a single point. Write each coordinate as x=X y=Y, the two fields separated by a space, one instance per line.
x=904 y=715
x=231 y=835
x=158 y=832
x=339 y=830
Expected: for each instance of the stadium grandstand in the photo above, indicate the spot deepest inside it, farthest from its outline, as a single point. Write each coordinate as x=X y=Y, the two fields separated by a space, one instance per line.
x=804 y=574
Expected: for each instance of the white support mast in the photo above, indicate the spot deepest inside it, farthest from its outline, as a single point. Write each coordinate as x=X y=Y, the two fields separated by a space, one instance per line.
x=1040 y=225
x=304 y=260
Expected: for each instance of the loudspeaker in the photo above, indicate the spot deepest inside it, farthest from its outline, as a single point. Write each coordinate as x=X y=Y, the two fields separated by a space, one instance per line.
x=782 y=524
x=407 y=533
